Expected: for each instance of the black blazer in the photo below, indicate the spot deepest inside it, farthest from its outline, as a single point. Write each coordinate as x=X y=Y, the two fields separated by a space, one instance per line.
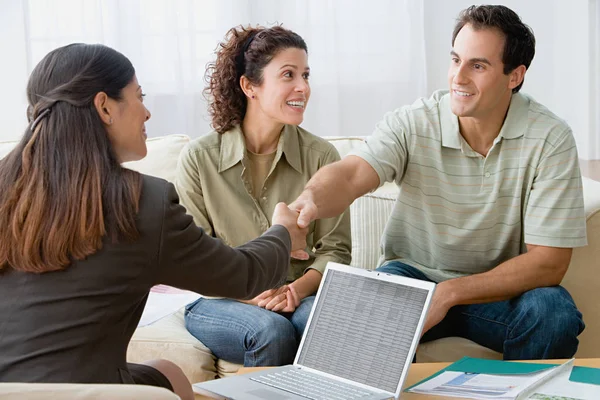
x=75 y=325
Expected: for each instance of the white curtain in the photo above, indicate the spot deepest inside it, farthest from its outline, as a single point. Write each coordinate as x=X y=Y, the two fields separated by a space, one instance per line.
x=366 y=57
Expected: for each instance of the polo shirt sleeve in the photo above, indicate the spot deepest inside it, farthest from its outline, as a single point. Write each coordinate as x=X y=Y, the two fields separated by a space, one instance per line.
x=386 y=150
x=554 y=212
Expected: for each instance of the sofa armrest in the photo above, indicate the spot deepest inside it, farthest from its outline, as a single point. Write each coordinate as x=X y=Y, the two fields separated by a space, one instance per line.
x=369 y=214
x=582 y=279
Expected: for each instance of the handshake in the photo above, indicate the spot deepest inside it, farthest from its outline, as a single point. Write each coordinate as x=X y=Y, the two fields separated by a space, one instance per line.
x=286 y=298
x=296 y=219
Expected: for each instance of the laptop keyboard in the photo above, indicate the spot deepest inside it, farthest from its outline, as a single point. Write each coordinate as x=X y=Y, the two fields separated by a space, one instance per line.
x=311 y=386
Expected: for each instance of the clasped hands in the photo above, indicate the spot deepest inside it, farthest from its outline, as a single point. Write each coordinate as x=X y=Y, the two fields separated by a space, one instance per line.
x=296 y=218
x=281 y=299
x=286 y=298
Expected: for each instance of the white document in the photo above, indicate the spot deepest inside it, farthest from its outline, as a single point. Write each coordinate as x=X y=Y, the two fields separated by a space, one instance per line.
x=561 y=388
x=164 y=301
x=484 y=386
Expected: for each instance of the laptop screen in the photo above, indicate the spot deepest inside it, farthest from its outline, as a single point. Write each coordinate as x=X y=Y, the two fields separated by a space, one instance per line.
x=362 y=329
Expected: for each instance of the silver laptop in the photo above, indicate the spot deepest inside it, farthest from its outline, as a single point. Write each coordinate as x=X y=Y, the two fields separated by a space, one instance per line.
x=359 y=342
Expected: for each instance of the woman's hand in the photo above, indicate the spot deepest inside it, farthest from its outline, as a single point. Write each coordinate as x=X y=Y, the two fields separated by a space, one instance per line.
x=262 y=299
x=288 y=304
x=282 y=299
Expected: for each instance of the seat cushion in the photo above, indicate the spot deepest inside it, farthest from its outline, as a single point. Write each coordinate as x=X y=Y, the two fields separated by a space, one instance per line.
x=6 y=147
x=167 y=338
x=50 y=391
x=162 y=157
x=226 y=368
x=451 y=349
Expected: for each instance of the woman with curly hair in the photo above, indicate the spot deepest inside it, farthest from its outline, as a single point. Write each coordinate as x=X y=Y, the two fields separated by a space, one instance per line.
x=231 y=179
x=82 y=239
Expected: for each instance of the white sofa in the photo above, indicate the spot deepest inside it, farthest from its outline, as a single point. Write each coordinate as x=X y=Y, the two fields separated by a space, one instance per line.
x=168 y=338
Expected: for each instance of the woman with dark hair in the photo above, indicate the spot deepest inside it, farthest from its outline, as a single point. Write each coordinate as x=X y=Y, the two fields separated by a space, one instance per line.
x=258 y=155
x=82 y=239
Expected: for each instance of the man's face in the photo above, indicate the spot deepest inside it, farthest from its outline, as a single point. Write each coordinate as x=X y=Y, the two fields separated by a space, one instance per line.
x=478 y=85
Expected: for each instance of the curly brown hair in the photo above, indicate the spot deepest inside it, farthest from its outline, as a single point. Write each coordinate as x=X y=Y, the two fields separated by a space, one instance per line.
x=245 y=51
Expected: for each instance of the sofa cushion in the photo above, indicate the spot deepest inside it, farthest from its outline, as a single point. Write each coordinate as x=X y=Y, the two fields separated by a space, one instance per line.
x=345 y=144
x=582 y=279
x=6 y=147
x=368 y=215
x=161 y=160
x=167 y=338
x=226 y=368
x=79 y=391
x=452 y=349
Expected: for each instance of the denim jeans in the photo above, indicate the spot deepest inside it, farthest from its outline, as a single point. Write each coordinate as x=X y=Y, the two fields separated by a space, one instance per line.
x=247 y=334
x=539 y=324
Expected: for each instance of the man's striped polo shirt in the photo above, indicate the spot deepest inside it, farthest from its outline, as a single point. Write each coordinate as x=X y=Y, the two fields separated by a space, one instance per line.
x=460 y=213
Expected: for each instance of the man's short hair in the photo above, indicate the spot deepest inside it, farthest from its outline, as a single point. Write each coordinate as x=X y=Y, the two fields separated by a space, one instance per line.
x=519 y=41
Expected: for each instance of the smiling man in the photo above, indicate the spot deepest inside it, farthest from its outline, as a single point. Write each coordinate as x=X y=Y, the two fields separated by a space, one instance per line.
x=491 y=200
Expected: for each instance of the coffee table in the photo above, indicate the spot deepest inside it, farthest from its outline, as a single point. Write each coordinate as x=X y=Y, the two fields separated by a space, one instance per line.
x=420 y=371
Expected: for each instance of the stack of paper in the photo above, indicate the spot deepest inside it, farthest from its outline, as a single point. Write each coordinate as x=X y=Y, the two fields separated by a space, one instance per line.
x=163 y=301
x=492 y=379
x=580 y=383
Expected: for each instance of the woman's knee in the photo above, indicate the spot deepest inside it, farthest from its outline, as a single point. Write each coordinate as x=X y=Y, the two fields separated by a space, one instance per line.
x=179 y=382
x=270 y=343
x=274 y=329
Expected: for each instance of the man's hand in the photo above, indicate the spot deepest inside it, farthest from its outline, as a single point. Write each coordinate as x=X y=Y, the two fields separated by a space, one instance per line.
x=307 y=210
x=440 y=305
x=307 y=213
x=282 y=215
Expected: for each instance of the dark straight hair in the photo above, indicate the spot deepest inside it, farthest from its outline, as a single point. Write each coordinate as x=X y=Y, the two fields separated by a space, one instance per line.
x=62 y=189
x=519 y=41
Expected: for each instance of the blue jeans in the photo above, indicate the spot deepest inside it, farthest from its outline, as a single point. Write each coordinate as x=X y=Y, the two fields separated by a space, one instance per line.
x=247 y=334
x=542 y=323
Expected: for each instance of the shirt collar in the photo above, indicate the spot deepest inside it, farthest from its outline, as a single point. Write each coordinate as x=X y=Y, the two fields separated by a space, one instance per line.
x=233 y=148
x=514 y=125
x=449 y=123
x=516 y=120
x=289 y=144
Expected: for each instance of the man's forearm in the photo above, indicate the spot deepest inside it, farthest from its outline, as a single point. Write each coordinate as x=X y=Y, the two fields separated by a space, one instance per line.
x=334 y=187
x=539 y=267
x=330 y=193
